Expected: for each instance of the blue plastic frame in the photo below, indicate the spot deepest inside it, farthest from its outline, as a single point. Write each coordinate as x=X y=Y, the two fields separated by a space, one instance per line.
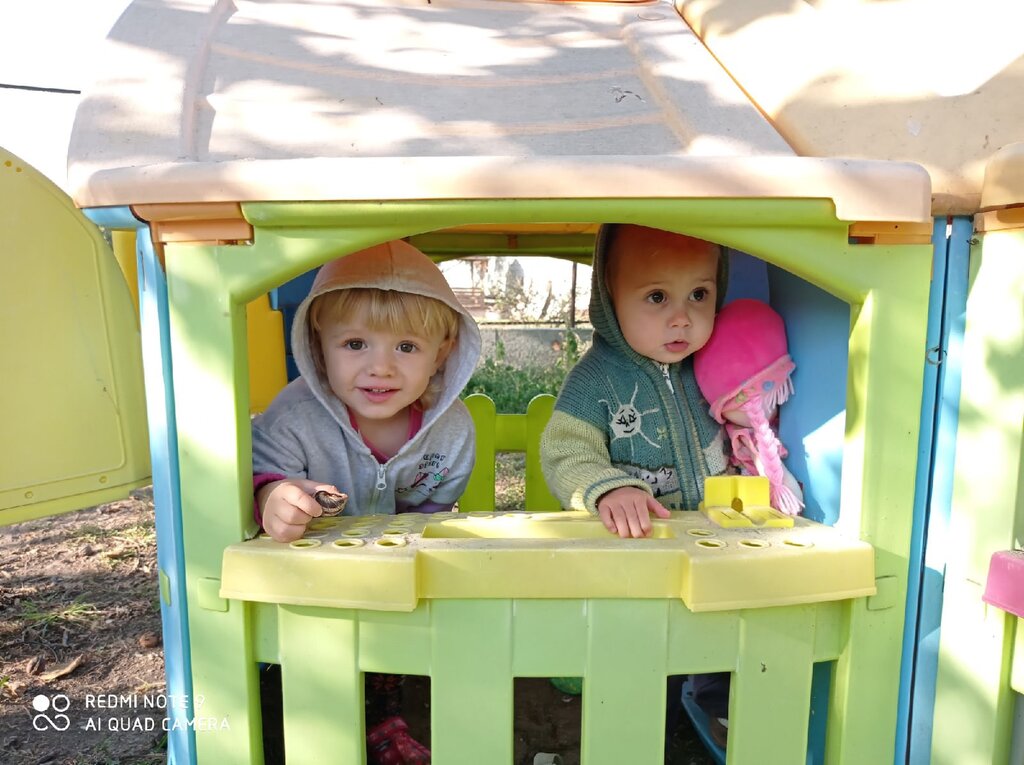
x=163 y=447
x=933 y=497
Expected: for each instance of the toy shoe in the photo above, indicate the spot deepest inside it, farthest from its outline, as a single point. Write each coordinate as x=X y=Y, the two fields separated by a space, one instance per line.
x=389 y=743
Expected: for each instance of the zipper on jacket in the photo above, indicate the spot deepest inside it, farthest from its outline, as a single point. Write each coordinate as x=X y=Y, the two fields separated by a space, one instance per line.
x=681 y=406
x=378 y=489
x=668 y=378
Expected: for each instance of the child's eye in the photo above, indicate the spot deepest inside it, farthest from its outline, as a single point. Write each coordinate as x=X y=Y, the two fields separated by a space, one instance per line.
x=407 y=347
x=700 y=294
x=656 y=297
x=354 y=345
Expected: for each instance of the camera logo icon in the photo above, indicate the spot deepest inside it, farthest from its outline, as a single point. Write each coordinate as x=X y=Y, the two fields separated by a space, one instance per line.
x=56 y=705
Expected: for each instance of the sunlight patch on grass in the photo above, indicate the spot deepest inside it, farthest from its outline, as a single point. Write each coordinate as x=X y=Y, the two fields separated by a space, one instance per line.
x=143 y=533
x=75 y=611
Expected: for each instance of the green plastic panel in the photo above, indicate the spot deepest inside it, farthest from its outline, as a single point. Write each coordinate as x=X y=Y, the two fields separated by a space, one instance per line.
x=974 y=702
x=479 y=493
x=886 y=286
x=503 y=433
x=71 y=396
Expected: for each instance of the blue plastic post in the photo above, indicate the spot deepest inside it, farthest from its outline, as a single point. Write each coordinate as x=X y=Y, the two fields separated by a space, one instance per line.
x=921 y=638
x=163 y=447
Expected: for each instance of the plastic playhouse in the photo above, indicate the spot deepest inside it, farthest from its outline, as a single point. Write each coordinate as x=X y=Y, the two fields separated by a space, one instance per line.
x=233 y=147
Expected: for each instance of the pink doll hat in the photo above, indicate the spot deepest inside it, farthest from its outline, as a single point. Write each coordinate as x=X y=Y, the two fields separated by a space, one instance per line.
x=745 y=368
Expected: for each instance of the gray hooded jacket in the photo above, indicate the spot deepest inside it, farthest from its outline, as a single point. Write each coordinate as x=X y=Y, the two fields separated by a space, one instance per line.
x=306 y=432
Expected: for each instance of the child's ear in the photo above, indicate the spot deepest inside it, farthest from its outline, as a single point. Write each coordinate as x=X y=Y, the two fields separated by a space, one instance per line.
x=443 y=352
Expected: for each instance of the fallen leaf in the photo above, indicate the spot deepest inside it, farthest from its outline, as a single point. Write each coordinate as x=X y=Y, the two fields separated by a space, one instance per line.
x=36 y=664
x=67 y=669
x=149 y=640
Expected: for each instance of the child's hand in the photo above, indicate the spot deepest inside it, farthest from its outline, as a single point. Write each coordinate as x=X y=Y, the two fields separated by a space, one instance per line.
x=626 y=511
x=288 y=506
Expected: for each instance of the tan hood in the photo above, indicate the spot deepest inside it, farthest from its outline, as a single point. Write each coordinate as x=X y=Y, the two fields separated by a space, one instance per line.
x=400 y=267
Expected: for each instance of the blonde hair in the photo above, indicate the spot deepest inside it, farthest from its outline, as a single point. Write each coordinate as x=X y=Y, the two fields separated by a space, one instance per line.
x=388 y=310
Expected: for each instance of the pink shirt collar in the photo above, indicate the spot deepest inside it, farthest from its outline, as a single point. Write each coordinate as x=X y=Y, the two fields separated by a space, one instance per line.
x=415 y=423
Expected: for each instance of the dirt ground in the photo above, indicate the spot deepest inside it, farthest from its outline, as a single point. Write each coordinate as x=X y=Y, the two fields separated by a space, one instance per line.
x=80 y=620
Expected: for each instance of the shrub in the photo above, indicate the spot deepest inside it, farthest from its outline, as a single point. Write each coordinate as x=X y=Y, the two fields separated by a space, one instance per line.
x=511 y=388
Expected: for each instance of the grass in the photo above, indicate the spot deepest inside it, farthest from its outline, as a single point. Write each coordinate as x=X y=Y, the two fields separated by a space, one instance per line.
x=75 y=611
x=512 y=388
x=105 y=752
x=140 y=533
x=90 y=533
x=509 y=487
x=126 y=542
x=144 y=532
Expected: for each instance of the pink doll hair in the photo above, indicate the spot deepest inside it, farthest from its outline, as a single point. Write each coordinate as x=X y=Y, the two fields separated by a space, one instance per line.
x=746 y=366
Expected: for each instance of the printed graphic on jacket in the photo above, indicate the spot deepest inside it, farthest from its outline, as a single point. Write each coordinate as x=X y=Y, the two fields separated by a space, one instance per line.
x=662 y=481
x=626 y=421
x=430 y=473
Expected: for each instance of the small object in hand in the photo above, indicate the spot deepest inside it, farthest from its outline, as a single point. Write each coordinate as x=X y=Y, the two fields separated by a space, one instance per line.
x=331 y=503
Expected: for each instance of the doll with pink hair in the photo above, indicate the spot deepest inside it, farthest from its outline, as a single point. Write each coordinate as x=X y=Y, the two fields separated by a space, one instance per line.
x=744 y=371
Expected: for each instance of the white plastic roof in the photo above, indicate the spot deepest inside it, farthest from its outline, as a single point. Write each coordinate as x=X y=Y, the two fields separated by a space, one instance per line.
x=213 y=100
x=936 y=82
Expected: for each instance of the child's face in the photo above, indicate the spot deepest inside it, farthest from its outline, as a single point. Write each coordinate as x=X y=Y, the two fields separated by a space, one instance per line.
x=663 y=287
x=376 y=373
